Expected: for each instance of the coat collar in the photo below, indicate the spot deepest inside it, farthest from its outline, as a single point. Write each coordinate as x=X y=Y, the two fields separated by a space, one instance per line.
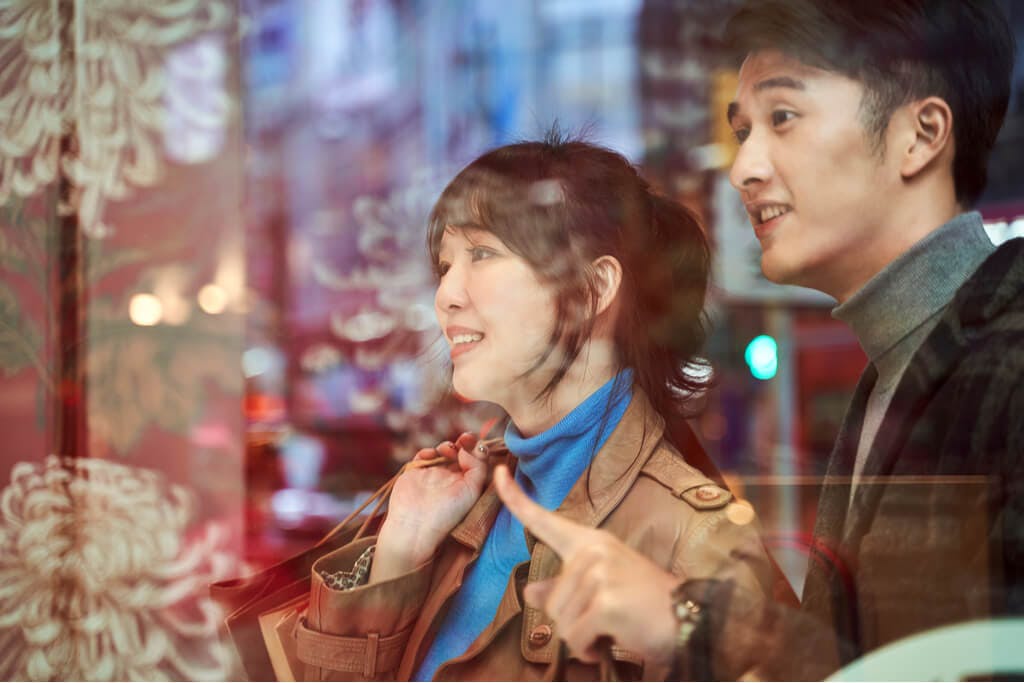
x=615 y=467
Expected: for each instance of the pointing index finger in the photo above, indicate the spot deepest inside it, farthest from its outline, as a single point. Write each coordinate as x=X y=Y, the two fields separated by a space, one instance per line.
x=559 y=534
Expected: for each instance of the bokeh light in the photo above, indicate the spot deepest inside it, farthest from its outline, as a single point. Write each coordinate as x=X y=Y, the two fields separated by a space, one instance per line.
x=762 y=357
x=145 y=310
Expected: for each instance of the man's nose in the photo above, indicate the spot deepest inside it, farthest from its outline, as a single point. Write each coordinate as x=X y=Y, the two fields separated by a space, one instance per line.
x=752 y=165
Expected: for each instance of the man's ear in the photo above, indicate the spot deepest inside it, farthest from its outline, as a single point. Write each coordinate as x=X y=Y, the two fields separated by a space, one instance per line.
x=930 y=134
x=608 y=278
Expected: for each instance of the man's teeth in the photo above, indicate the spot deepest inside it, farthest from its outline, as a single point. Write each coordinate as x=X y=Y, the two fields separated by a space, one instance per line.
x=772 y=212
x=466 y=338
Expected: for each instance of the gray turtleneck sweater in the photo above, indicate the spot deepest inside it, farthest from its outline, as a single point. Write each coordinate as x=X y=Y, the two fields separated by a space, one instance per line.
x=895 y=310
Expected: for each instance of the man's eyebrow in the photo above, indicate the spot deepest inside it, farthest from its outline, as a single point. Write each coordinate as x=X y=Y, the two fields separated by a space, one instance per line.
x=780 y=82
x=767 y=84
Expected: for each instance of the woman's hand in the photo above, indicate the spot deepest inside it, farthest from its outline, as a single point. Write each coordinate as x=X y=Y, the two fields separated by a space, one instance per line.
x=426 y=504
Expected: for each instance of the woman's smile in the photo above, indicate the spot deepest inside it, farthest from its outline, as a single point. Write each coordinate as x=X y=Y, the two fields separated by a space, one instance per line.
x=462 y=339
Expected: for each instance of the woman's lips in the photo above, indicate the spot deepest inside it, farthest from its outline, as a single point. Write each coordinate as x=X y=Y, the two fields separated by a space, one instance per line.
x=464 y=347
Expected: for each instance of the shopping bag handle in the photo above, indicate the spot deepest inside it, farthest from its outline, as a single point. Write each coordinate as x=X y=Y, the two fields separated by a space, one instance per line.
x=494 y=446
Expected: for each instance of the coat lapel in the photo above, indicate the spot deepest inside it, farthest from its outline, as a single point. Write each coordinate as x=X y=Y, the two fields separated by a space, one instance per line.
x=842 y=525
x=471 y=532
x=890 y=453
x=610 y=476
x=986 y=294
x=828 y=589
x=835 y=487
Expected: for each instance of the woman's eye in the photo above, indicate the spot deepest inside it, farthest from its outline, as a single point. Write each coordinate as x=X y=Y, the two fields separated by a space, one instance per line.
x=442 y=268
x=480 y=253
x=781 y=116
x=741 y=134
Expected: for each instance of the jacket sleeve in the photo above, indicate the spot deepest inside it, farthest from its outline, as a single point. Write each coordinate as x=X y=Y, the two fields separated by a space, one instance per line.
x=359 y=633
x=751 y=614
x=716 y=546
x=746 y=636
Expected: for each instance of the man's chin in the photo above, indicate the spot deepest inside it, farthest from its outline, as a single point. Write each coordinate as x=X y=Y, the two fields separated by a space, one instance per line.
x=776 y=271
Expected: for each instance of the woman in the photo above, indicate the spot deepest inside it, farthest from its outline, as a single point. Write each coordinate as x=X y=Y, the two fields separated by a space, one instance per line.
x=571 y=295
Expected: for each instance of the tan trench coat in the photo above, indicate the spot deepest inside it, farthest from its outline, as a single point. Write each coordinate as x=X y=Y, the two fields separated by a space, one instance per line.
x=641 y=491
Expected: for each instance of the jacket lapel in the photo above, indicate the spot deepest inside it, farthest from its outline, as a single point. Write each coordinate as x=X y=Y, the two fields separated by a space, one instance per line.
x=930 y=366
x=835 y=487
x=610 y=476
x=471 y=532
x=995 y=286
x=828 y=589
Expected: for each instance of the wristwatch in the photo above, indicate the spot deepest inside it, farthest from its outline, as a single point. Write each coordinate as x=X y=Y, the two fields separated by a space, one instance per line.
x=688 y=658
x=688 y=613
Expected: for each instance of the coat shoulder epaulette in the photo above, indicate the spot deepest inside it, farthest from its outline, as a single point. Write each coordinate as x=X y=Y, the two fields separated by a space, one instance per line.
x=685 y=481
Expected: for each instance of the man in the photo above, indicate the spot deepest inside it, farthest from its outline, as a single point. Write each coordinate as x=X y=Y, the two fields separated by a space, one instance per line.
x=864 y=129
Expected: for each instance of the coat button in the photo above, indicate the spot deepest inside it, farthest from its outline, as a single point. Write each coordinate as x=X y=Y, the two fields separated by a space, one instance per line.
x=708 y=493
x=540 y=635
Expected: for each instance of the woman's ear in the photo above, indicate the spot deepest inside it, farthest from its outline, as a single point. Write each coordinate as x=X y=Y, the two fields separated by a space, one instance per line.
x=608 y=278
x=931 y=134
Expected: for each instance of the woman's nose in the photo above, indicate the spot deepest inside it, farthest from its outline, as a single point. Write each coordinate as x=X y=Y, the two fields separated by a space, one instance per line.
x=451 y=290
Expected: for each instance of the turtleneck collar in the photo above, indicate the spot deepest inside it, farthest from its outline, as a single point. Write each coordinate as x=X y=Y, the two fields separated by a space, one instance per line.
x=917 y=285
x=552 y=460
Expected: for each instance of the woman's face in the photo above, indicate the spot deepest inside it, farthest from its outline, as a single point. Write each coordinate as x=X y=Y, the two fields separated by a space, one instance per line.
x=497 y=317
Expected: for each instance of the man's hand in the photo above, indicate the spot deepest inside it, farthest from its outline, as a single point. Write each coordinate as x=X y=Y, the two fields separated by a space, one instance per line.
x=605 y=587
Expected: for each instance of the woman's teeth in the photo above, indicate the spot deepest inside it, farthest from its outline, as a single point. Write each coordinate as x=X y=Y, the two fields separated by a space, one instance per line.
x=466 y=338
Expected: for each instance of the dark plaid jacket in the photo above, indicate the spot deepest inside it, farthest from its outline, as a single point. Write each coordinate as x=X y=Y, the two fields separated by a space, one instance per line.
x=935 y=532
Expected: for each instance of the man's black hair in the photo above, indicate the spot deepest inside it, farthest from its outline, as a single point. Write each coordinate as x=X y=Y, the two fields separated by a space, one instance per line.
x=901 y=51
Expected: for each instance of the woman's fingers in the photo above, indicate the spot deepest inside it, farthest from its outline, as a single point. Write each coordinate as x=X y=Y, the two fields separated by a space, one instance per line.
x=466 y=441
x=425 y=454
x=447 y=449
x=558 y=533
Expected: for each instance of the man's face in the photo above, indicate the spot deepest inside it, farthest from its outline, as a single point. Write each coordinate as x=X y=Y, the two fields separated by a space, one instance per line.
x=814 y=184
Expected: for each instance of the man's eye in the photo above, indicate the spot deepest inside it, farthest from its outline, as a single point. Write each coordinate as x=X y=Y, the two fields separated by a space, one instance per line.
x=781 y=116
x=741 y=134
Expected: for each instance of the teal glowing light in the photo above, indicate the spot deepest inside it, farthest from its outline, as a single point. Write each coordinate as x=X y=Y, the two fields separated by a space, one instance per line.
x=762 y=356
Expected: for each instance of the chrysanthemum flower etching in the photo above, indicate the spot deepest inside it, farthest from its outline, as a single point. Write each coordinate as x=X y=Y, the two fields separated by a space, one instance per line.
x=98 y=580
